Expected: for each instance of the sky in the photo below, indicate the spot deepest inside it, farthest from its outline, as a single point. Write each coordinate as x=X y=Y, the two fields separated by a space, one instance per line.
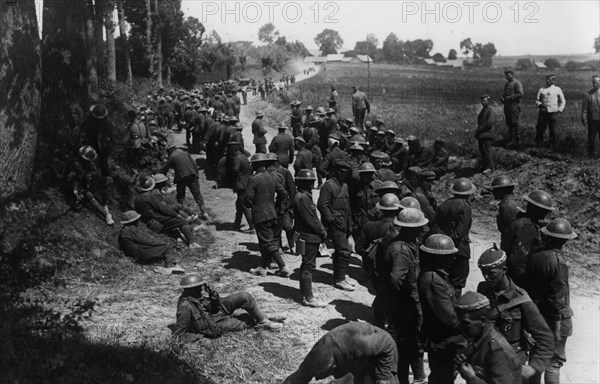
x=515 y=27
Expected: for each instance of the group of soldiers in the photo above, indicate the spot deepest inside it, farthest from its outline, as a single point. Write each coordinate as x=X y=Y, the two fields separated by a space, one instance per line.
x=378 y=190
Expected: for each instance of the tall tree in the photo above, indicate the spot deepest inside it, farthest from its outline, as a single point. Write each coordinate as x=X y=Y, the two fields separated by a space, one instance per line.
x=329 y=41
x=20 y=82
x=466 y=46
x=64 y=92
x=99 y=38
x=368 y=46
x=267 y=33
x=392 y=49
x=125 y=39
x=452 y=54
x=92 y=55
x=597 y=44
x=111 y=55
x=159 y=53
x=149 y=45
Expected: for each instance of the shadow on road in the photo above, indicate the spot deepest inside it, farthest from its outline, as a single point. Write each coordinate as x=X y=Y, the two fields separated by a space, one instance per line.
x=242 y=260
x=282 y=291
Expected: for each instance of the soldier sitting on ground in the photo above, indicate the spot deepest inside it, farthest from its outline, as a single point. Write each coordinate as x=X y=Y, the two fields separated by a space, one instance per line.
x=143 y=247
x=201 y=311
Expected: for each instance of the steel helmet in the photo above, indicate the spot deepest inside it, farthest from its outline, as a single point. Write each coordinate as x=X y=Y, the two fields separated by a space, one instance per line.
x=385 y=160
x=463 y=186
x=366 y=167
x=356 y=147
x=258 y=157
x=388 y=202
x=88 y=152
x=259 y=113
x=191 y=280
x=502 y=182
x=282 y=126
x=272 y=157
x=410 y=217
x=130 y=217
x=387 y=186
x=559 y=228
x=410 y=202
x=306 y=174
x=541 y=199
x=308 y=108
x=238 y=126
x=439 y=244
x=99 y=111
x=147 y=183
x=159 y=178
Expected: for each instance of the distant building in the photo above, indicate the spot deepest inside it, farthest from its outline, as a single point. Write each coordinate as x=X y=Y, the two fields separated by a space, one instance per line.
x=315 y=59
x=539 y=65
x=335 y=57
x=361 y=59
x=347 y=59
x=429 y=62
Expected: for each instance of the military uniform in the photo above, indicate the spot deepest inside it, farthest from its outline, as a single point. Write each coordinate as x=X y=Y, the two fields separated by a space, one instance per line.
x=360 y=107
x=261 y=191
x=186 y=176
x=486 y=120
x=304 y=160
x=507 y=212
x=336 y=216
x=520 y=239
x=296 y=122
x=259 y=132
x=283 y=146
x=454 y=218
x=513 y=92
x=357 y=348
x=144 y=248
x=441 y=329
x=242 y=173
x=373 y=230
x=328 y=165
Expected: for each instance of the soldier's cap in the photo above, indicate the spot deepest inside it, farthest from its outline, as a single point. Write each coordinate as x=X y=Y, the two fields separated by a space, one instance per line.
x=238 y=126
x=129 y=217
x=233 y=142
x=354 y=87
x=171 y=145
x=373 y=129
x=472 y=301
x=320 y=109
x=509 y=70
x=386 y=186
x=329 y=111
x=356 y=147
x=354 y=129
x=159 y=178
x=492 y=258
x=400 y=140
x=300 y=139
x=380 y=120
x=308 y=108
x=150 y=186
x=152 y=122
x=349 y=120
x=314 y=119
x=483 y=97
x=378 y=155
x=390 y=132
x=428 y=175
x=225 y=118
x=343 y=164
x=413 y=171
x=189 y=106
x=282 y=126
x=272 y=157
x=381 y=133
x=386 y=161
x=203 y=109
x=550 y=76
x=259 y=113
x=190 y=281
x=411 y=138
x=233 y=119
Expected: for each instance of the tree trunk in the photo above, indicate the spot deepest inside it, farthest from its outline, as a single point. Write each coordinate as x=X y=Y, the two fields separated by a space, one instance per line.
x=149 y=47
x=99 y=38
x=20 y=86
x=111 y=56
x=123 y=33
x=159 y=56
x=168 y=80
x=92 y=55
x=64 y=93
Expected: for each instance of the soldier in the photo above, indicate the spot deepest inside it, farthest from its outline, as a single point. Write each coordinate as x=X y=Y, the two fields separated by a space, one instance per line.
x=360 y=107
x=503 y=188
x=441 y=329
x=226 y=132
x=388 y=141
x=335 y=154
x=550 y=102
x=189 y=117
x=241 y=172
x=362 y=198
x=399 y=156
x=186 y=176
x=492 y=359
x=98 y=132
x=385 y=173
x=548 y=272
x=413 y=186
x=286 y=211
x=511 y=97
x=354 y=348
x=516 y=317
x=418 y=155
x=397 y=299
x=210 y=138
x=136 y=135
x=336 y=216
x=164 y=113
x=260 y=195
x=310 y=231
x=486 y=120
x=217 y=105
x=144 y=248
x=283 y=146
x=522 y=237
x=202 y=312
x=159 y=217
x=85 y=183
x=238 y=136
x=590 y=114
x=327 y=129
x=230 y=105
x=304 y=157
x=440 y=158
x=454 y=219
x=374 y=230
x=307 y=116
x=377 y=159
x=259 y=132
x=333 y=99
x=296 y=119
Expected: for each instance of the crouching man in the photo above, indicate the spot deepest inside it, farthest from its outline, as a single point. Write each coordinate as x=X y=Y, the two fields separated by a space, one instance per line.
x=145 y=248
x=201 y=311
x=358 y=348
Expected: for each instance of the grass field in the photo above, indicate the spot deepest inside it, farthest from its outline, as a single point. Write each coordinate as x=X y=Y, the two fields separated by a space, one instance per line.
x=433 y=102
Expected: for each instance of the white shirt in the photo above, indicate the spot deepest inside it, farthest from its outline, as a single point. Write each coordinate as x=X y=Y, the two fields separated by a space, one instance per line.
x=552 y=98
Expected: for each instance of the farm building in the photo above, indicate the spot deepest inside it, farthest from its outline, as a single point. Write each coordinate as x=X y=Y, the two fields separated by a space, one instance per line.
x=335 y=58
x=315 y=59
x=539 y=65
x=347 y=59
x=457 y=63
x=429 y=62
x=358 y=59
